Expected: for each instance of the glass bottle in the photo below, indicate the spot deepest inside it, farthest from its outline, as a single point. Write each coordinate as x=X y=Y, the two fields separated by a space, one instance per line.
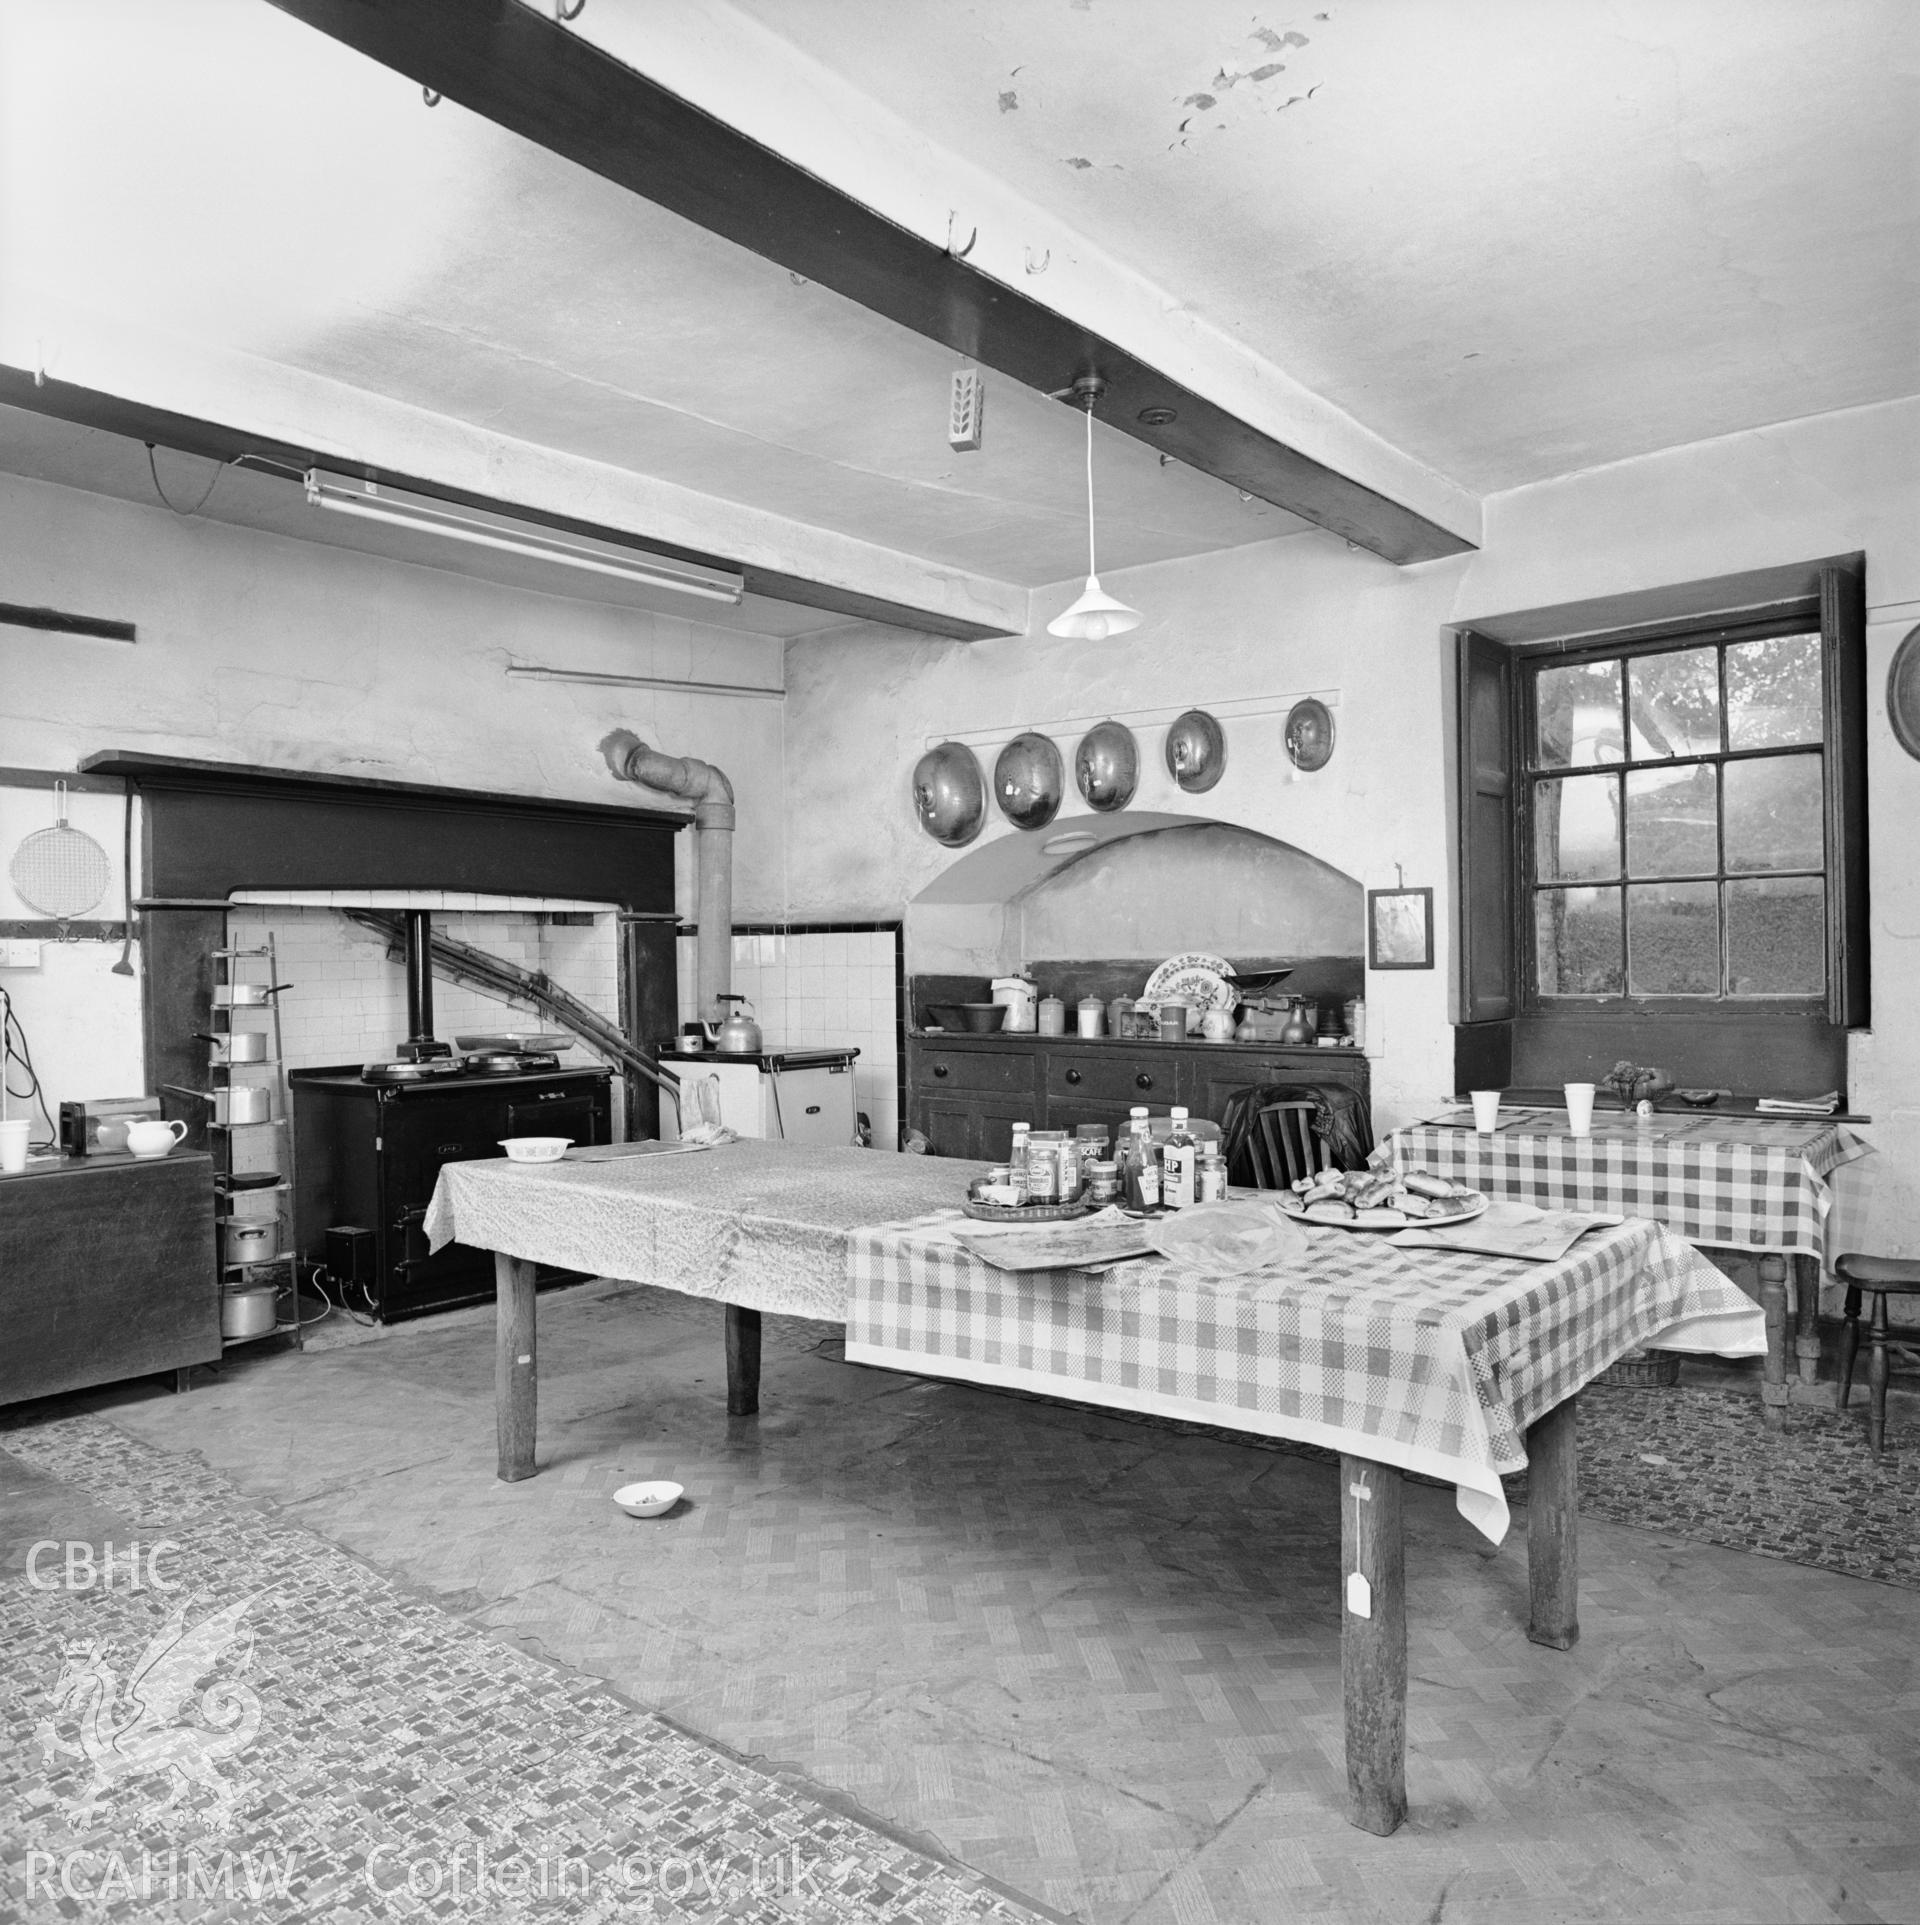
x=1177 y=1159
x=1140 y=1176
x=1017 y=1158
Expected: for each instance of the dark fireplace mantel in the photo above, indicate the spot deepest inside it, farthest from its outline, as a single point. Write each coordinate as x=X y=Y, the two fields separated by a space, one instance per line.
x=214 y=828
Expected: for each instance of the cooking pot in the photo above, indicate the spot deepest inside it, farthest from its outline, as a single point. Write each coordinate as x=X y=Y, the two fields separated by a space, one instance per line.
x=245 y=995
x=250 y=1311
x=250 y=1241
x=241 y=1046
x=243 y=1103
x=739 y=1033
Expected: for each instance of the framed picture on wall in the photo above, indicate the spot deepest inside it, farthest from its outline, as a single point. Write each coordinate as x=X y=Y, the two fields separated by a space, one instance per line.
x=1399 y=928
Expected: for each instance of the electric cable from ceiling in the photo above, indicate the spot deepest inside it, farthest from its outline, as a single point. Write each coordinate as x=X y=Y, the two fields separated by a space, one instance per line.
x=185 y=514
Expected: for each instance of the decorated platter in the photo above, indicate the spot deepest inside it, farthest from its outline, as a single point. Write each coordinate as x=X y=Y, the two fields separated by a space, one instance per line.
x=1026 y=1212
x=1445 y=1210
x=1195 y=978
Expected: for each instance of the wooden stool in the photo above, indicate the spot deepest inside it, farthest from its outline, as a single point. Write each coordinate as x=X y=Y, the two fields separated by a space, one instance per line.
x=1880 y=1278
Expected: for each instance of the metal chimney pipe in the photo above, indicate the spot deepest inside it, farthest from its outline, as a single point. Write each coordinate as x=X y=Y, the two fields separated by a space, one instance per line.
x=419 y=986
x=688 y=779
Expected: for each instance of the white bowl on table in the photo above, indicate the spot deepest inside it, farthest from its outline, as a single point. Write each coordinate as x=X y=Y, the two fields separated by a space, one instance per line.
x=535 y=1149
x=648 y=1500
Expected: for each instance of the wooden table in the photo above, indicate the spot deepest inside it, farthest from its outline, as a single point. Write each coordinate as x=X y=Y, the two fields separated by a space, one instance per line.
x=854 y=1235
x=1753 y=1184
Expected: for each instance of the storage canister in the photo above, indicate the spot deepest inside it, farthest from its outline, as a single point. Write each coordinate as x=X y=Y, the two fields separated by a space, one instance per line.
x=1092 y=1015
x=1173 y=1022
x=1210 y=1177
x=1053 y=1016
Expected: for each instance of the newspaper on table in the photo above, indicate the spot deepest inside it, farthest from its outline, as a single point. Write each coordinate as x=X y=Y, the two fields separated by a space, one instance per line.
x=1081 y=1243
x=618 y=1152
x=1212 y=1239
x=1510 y=1230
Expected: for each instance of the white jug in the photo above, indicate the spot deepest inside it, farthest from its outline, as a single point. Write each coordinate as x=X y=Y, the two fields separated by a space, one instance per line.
x=1022 y=1002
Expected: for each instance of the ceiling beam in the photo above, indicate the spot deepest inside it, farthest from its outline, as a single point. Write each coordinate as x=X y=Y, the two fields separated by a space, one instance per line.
x=215 y=441
x=522 y=70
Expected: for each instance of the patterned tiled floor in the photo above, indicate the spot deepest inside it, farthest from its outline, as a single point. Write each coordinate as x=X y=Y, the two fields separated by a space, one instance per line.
x=1092 y=1658
x=394 y=1746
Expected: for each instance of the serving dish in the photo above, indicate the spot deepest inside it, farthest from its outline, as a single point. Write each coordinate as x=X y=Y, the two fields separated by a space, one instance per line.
x=1027 y=1212
x=973 y=1019
x=1454 y=1210
x=1194 y=978
x=535 y=1149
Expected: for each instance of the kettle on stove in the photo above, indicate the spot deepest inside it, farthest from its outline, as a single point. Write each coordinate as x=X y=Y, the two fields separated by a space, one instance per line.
x=739 y=1033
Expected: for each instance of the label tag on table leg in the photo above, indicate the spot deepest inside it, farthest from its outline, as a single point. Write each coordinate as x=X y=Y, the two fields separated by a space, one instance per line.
x=1359 y=1596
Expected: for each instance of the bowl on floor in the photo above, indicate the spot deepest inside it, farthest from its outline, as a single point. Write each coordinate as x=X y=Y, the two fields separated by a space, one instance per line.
x=648 y=1500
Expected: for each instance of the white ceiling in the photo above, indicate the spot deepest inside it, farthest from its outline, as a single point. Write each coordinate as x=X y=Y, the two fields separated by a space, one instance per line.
x=1515 y=238
x=1518 y=238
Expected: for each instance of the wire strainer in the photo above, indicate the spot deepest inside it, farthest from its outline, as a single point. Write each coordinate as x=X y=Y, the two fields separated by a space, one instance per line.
x=60 y=872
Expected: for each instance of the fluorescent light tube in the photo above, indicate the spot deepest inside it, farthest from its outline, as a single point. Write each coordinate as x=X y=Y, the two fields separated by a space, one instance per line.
x=373 y=501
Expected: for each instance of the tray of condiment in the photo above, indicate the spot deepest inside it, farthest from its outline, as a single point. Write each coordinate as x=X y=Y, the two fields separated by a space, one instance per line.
x=1027 y=1212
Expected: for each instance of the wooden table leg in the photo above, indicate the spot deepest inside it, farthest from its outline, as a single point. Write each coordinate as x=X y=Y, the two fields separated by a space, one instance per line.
x=515 y=1377
x=1553 y=1528
x=1773 y=1307
x=743 y=1361
x=1373 y=1643
x=1806 y=1316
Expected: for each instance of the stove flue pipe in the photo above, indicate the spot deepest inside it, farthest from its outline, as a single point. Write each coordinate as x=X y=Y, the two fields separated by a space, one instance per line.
x=688 y=779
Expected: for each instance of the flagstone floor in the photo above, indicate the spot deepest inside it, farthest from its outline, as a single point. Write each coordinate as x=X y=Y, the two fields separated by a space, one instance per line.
x=945 y=1652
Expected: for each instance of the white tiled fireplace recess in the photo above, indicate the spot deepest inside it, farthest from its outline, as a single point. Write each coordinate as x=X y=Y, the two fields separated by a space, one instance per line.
x=818 y=988
x=348 y=1000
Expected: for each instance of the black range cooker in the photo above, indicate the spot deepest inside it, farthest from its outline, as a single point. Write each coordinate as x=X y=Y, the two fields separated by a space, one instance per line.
x=368 y=1156
x=371 y=1141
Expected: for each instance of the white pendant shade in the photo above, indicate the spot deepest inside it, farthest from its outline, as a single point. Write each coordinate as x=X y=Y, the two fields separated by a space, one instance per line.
x=1094 y=617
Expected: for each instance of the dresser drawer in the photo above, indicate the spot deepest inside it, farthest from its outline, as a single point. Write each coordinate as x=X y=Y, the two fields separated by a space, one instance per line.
x=1119 y=1075
x=1010 y=1071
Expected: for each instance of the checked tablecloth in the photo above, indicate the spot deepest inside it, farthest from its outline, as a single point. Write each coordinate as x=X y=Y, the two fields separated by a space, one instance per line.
x=1430 y=1360
x=1733 y=1182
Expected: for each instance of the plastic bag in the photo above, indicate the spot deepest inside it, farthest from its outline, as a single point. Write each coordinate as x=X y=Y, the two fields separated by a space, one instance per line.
x=1230 y=1239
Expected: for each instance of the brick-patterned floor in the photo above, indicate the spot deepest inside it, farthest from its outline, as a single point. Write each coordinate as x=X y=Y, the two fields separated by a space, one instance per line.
x=1097 y=1659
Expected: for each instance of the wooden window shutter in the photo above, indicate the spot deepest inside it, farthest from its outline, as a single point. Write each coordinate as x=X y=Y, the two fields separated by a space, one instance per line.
x=1486 y=910
x=1843 y=632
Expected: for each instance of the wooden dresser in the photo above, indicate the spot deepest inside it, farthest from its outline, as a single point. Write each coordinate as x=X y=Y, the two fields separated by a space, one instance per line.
x=106 y=1271
x=965 y=1093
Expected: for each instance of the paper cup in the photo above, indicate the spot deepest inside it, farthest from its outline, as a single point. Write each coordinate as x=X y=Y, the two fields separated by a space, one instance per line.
x=1580 y=1109
x=13 y=1143
x=1486 y=1110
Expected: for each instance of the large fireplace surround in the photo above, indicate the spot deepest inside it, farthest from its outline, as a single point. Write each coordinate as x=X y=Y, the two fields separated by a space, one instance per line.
x=213 y=828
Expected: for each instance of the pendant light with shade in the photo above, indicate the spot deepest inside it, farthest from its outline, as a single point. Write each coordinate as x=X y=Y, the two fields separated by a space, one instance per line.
x=1096 y=615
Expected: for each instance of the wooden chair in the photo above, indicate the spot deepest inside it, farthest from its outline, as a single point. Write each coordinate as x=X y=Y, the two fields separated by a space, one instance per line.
x=1878 y=1278
x=1282 y=1146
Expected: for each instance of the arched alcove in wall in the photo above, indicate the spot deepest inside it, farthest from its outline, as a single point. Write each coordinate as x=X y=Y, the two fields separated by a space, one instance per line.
x=1134 y=888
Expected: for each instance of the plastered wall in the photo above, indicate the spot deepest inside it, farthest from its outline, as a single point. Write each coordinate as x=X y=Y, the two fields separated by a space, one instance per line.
x=258 y=649
x=1306 y=613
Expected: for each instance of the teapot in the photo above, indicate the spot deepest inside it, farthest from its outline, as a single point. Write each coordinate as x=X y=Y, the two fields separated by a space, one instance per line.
x=739 y=1033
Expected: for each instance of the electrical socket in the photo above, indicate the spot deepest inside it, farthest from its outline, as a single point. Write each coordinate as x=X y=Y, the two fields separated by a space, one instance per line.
x=16 y=954
x=968 y=405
